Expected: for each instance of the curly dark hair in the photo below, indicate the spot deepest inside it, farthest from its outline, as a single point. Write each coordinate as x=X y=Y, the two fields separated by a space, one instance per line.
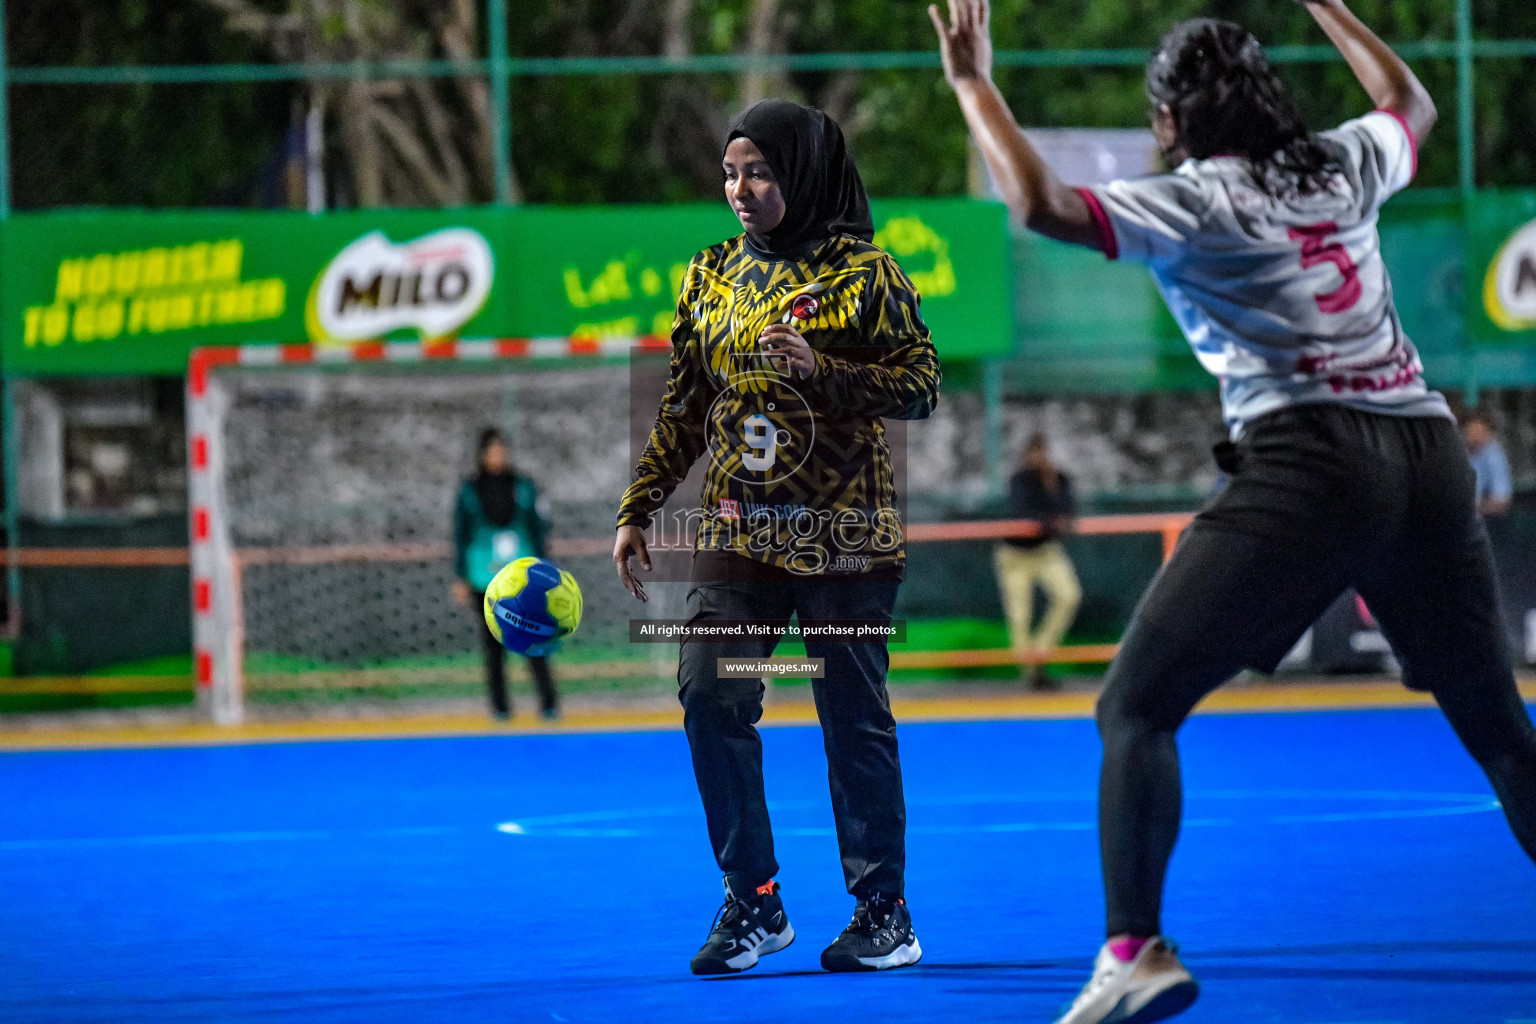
x=1227 y=100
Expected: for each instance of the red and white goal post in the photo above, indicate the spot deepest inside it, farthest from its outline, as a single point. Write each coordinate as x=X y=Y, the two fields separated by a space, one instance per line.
x=217 y=565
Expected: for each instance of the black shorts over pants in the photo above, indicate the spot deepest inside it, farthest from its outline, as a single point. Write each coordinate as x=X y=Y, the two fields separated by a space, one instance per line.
x=1321 y=498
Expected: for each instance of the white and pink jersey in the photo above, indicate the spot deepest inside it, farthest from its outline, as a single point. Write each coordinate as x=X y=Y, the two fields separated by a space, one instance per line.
x=1287 y=301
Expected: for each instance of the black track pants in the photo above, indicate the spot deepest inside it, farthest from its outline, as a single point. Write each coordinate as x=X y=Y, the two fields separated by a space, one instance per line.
x=858 y=730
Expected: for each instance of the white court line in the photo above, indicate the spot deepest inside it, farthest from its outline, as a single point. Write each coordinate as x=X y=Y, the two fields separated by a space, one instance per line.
x=1433 y=812
x=1334 y=794
x=590 y=824
x=163 y=840
x=179 y=839
x=560 y=825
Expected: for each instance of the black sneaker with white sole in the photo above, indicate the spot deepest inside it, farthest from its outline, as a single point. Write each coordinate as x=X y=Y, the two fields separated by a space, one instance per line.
x=879 y=937
x=744 y=930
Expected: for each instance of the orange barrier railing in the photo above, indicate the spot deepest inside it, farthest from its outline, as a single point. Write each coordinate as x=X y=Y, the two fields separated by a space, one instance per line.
x=100 y=558
x=1166 y=524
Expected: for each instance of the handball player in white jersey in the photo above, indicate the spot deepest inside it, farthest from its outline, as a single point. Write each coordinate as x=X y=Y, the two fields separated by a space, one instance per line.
x=1346 y=470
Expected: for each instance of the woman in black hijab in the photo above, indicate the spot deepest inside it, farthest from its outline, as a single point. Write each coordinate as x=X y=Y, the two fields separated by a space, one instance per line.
x=792 y=341
x=822 y=193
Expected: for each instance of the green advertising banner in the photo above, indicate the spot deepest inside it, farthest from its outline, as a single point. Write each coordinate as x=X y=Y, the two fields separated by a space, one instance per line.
x=623 y=277
x=132 y=292
x=1501 y=267
x=129 y=292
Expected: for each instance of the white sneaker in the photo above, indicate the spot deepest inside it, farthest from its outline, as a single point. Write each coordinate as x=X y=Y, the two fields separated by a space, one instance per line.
x=1151 y=987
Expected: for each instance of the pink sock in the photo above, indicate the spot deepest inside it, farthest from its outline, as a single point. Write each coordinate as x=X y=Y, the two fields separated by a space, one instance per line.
x=1125 y=949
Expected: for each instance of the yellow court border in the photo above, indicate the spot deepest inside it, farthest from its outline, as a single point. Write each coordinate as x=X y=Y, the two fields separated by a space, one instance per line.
x=1332 y=696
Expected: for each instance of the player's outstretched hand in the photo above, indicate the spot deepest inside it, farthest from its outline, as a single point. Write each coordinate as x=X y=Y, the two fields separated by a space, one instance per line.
x=965 y=43
x=631 y=541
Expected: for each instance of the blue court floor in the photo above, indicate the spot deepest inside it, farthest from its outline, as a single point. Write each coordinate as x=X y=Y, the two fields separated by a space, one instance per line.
x=1336 y=868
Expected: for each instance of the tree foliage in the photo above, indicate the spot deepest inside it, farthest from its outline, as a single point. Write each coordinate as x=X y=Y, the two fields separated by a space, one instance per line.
x=137 y=145
x=409 y=142
x=633 y=138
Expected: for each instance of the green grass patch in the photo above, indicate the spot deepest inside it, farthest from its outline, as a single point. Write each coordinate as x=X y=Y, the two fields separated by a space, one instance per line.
x=33 y=703
x=165 y=665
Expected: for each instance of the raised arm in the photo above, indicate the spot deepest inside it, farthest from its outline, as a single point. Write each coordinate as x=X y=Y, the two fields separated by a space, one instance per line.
x=1389 y=82
x=1040 y=199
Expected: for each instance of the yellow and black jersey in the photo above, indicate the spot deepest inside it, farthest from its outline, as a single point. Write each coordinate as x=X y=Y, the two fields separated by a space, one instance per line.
x=799 y=473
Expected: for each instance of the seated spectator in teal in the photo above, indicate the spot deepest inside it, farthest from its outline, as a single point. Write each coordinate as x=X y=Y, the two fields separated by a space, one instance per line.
x=1489 y=463
x=496 y=521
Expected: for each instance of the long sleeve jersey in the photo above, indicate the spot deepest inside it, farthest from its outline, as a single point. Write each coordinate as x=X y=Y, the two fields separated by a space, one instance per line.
x=799 y=473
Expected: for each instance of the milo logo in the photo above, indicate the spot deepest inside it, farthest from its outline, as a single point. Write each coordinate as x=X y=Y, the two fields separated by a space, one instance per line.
x=1509 y=287
x=374 y=287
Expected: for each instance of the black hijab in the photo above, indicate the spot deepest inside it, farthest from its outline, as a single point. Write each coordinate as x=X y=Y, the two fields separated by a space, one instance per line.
x=823 y=195
x=497 y=491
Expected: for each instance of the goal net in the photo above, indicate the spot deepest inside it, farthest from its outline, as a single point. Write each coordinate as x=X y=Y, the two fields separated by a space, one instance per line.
x=323 y=485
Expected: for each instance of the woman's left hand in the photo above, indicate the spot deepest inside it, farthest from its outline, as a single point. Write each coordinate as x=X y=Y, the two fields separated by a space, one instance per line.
x=783 y=341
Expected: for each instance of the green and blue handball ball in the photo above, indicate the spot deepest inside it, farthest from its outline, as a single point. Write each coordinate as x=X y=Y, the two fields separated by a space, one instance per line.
x=532 y=606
